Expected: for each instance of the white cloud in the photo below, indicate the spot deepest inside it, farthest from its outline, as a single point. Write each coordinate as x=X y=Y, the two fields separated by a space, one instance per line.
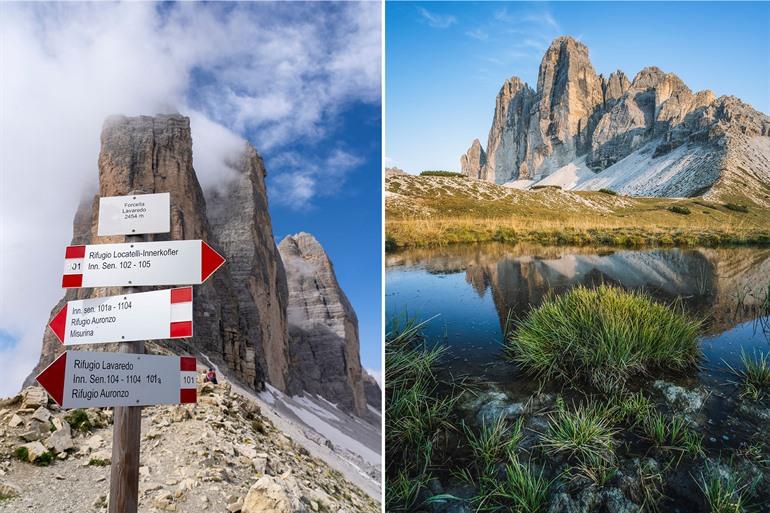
x=479 y=34
x=275 y=72
x=305 y=178
x=436 y=20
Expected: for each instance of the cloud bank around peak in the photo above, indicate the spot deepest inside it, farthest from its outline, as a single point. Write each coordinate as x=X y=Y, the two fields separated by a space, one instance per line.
x=269 y=72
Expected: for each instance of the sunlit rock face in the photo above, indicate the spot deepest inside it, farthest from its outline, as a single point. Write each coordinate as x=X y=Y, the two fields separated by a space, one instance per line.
x=681 y=143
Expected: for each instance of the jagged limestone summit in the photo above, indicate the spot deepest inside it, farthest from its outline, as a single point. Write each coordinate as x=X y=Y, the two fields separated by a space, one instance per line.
x=241 y=313
x=649 y=136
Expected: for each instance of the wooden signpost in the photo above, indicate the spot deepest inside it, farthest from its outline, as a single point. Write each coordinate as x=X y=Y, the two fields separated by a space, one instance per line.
x=129 y=379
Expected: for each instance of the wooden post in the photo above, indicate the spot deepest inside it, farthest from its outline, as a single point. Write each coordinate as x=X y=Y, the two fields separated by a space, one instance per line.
x=126 y=438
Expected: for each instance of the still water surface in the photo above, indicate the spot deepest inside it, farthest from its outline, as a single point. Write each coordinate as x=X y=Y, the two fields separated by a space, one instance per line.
x=468 y=292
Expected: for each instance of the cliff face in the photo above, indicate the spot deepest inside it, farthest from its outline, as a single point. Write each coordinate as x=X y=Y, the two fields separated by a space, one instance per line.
x=240 y=218
x=323 y=328
x=473 y=161
x=372 y=391
x=239 y=315
x=580 y=119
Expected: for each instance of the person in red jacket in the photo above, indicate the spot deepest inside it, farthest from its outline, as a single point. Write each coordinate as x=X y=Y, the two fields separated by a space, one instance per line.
x=211 y=377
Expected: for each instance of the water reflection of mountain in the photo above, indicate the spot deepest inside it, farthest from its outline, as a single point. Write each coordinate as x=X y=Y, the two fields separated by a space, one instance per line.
x=711 y=282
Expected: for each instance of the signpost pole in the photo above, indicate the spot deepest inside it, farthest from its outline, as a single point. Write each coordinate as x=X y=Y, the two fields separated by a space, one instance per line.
x=126 y=438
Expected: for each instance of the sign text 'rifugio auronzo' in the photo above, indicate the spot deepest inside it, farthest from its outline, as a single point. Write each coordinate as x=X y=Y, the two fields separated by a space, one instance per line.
x=155 y=315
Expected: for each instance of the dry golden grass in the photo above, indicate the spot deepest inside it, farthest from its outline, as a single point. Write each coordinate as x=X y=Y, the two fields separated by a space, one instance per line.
x=576 y=230
x=432 y=212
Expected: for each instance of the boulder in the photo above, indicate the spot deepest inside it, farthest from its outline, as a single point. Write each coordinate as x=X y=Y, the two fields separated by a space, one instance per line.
x=680 y=399
x=8 y=490
x=42 y=414
x=61 y=439
x=274 y=495
x=34 y=450
x=33 y=397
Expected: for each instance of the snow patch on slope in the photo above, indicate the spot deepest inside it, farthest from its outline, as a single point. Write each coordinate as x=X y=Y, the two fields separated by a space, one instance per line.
x=345 y=442
x=568 y=177
x=685 y=171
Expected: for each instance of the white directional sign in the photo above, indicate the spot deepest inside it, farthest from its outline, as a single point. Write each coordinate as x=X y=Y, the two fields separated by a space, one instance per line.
x=135 y=214
x=89 y=379
x=145 y=316
x=179 y=262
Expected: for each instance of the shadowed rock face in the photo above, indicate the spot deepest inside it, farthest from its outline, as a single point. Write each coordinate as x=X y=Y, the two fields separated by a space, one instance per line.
x=372 y=391
x=323 y=328
x=239 y=216
x=240 y=311
x=576 y=113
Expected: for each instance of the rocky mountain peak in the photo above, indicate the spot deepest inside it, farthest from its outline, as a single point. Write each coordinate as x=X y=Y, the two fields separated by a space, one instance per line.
x=323 y=327
x=152 y=155
x=474 y=160
x=615 y=86
x=242 y=313
x=578 y=120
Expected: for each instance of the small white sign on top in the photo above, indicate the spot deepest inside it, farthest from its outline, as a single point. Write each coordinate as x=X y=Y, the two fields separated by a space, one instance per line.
x=135 y=214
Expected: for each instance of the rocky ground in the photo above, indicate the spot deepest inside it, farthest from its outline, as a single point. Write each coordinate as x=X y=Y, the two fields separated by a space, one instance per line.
x=644 y=474
x=220 y=455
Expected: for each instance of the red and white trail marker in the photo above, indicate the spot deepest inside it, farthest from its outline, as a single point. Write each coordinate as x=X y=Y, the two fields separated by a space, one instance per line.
x=90 y=379
x=129 y=317
x=130 y=264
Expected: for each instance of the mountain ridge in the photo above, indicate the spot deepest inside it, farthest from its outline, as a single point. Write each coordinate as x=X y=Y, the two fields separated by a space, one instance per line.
x=241 y=312
x=575 y=113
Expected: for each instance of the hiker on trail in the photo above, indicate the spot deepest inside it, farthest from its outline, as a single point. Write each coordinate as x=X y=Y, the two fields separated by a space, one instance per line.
x=211 y=377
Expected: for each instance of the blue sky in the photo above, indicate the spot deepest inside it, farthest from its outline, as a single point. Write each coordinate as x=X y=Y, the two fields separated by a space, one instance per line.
x=347 y=223
x=445 y=62
x=300 y=81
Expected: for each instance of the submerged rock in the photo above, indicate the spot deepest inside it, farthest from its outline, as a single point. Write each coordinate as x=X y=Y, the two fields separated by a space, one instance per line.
x=680 y=399
x=609 y=500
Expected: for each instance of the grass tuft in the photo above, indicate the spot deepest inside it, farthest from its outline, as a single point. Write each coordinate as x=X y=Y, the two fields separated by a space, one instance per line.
x=450 y=174
x=678 y=209
x=78 y=420
x=603 y=336
x=737 y=208
x=723 y=492
x=608 y=191
x=21 y=453
x=754 y=376
x=493 y=443
x=672 y=434
x=416 y=417
x=585 y=437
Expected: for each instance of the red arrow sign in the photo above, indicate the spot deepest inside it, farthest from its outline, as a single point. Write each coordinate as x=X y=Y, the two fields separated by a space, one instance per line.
x=52 y=378
x=128 y=317
x=181 y=262
x=210 y=261
x=88 y=379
